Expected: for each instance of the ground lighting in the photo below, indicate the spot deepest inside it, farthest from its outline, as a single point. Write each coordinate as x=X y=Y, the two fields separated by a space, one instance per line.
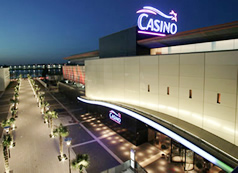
x=164 y=130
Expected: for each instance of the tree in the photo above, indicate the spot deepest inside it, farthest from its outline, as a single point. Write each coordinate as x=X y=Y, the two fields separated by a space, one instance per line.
x=14 y=112
x=9 y=123
x=37 y=89
x=81 y=161
x=32 y=82
x=14 y=101
x=18 y=81
x=16 y=95
x=61 y=131
x=16 y=88
x=47 y=117
x=6 y=142
x=41 y=99
x=50 y=115
x=45 y=105
x=12 y=122
x=5 y=123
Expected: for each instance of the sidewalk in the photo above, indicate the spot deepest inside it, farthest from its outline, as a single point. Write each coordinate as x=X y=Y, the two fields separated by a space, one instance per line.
x=34 y=150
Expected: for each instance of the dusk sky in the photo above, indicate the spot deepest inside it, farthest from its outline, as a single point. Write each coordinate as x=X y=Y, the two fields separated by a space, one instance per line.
x=45 y=31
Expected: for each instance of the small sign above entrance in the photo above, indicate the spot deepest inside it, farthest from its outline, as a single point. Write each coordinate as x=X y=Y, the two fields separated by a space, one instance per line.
x=115 y=116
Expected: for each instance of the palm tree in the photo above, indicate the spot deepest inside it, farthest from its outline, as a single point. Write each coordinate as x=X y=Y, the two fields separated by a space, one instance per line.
x=61 y=131
x=45 y=105
x=41 y=100
x=5 y=123
x=32 y=82
x=82 y=161
x=16 y=95
x=53 y=114
x=14 y=101
x=12 y=122
x=17 y=87
x=9 y=123
x=19 y=81
x=6 y=142
x=47 y=117
x=37 y=90
x=14 y=112
x=16 y=90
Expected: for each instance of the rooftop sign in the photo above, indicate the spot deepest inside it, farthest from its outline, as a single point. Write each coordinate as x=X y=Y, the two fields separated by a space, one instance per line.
x=151 y=22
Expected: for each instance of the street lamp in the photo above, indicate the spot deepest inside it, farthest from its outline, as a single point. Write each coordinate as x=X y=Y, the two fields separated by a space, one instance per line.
x=68 y=143
x=132 y=158
x=7 y=128
x=13 y=126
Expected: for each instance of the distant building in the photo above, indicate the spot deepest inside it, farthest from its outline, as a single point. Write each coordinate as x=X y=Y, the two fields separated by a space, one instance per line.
x=4 y=78
x=35 y=70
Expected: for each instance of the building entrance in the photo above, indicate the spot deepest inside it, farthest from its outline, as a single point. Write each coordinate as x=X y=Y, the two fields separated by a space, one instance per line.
x=172 y=150
x=181 y=154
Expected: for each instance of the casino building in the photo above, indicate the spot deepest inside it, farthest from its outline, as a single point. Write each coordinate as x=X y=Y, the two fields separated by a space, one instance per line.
x=182 y=85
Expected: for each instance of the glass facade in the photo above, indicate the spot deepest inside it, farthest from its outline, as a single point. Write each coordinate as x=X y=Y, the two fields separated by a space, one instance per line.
x=231 y=44
x=74 y=73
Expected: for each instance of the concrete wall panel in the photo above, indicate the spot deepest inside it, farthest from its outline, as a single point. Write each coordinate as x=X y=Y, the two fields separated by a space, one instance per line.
x=205 y=74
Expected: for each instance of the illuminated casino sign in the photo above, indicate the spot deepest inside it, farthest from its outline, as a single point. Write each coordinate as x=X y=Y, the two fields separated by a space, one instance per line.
x=151 y=21
x=115 y=116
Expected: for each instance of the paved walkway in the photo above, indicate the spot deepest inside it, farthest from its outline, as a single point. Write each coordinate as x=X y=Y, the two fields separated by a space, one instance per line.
x=34 y=152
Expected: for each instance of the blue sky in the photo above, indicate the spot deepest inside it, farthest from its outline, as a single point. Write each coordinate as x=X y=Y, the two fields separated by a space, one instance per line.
x=45 y=31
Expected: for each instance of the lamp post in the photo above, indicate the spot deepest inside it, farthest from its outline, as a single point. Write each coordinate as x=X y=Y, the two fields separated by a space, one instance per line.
x=7 y=128
x=68 y=142
x=133 y=158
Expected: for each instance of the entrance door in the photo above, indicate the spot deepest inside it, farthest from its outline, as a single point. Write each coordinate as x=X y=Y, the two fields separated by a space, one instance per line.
x=189 y=160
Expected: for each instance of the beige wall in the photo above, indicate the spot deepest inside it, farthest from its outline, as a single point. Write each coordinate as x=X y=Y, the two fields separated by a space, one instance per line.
x=206 y=74
x=4 y=78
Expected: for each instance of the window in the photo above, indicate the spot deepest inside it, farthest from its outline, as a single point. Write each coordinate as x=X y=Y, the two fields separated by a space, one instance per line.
x=190 y=94
x=167 y=90
x=148 y=88
x=218 y=98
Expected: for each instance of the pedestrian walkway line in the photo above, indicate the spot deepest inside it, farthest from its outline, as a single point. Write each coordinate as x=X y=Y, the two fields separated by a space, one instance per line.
x=90 y=133
x=84 y=143
x=88 y=120
x=107 y=135
x=102 y=144
x=70 y=124
x=34 y=150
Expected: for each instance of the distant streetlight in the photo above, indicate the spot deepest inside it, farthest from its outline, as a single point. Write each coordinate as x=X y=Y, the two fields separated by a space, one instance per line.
x=68 y=143
x=7 y=128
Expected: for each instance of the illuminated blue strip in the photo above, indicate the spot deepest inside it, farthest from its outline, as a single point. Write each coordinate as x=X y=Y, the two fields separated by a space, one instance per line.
x=164 y=130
